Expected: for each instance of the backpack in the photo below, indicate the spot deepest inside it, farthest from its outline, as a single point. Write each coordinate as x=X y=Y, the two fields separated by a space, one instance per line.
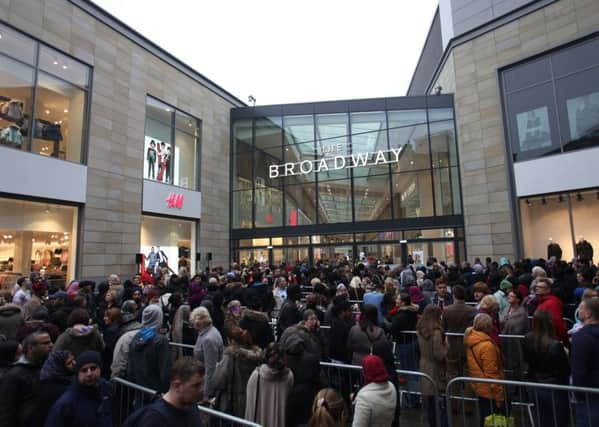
x=134 y=420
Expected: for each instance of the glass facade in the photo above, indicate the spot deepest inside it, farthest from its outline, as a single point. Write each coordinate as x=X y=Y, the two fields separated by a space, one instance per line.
x=552 y=103
x=387 y=164
x=43 y=98
x=171 y=146
x=37 y=237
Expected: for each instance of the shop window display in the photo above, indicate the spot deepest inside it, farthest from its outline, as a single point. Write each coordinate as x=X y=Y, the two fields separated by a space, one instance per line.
x=171 y=145
x=167 y=243
x=36 y=237
x=55 y=125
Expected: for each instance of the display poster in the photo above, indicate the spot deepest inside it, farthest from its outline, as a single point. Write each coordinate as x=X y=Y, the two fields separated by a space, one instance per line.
x=533 y=129
x=418 y=257
x=583 y=115
x=158 y=158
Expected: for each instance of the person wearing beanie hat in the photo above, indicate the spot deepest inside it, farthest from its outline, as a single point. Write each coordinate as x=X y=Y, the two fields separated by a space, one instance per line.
x=376 y=401
x=504 y=286
x=88 y=401
x=149 y=360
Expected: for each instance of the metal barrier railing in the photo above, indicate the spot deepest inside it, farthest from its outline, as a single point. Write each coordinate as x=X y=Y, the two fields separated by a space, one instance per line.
x=528 y=403
x=415 y=389
x=133 y=396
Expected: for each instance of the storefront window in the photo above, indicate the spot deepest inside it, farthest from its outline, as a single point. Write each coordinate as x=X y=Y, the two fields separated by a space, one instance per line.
x=269 y=207
x=171 y=146
x=167 y=243
x=412 y=195
x=55 y=125
x=585 y=211
x=37 y=237
x=300 y=205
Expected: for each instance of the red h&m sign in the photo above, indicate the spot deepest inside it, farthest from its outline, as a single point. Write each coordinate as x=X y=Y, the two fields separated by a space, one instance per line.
x=174 y=200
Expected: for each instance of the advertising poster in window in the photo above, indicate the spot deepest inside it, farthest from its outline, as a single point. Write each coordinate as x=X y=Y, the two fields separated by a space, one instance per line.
x=583 y=115
x=533 y=129
x=158 y=157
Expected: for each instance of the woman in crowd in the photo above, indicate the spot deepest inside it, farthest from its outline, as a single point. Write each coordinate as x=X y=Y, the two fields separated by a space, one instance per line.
x=268 y=389
x=56 y=376
x=433 y=353
x=363 y=335
x=547 y=363
x=80 y=335
x=232 y=373
x=183 y=331
x=489 y=305
x=484 y=361
x=356 y=291
x=479 y=290
x=328 y=409
x=232 y=317
x=376 y=401
x=209 y=346
x=112 y=322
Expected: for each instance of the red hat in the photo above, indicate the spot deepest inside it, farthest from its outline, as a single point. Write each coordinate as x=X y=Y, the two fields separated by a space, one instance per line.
x=374 y=370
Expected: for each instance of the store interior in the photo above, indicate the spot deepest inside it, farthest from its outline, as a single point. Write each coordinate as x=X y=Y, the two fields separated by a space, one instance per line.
x=37 y=237
x=175 y=238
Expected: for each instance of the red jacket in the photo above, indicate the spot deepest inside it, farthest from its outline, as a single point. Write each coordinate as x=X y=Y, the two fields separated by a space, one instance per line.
x=146 y=278
x=553 y=305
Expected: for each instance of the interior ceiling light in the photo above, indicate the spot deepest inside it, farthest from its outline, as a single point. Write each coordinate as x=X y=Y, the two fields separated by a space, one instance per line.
x=65 y=111
x=55 y=62
x=47 y=111
x=64 y=67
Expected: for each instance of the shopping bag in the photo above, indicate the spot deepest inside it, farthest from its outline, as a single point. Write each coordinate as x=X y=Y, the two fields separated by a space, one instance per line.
x=498 y=420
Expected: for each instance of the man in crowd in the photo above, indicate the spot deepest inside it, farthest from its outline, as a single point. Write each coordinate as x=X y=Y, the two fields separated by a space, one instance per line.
x=549 y=302
x=375 y=298
x=442 y=297
x=583 y=361
x=19 y=389
x=88 y=401
x=456 y=318
x=178 y=406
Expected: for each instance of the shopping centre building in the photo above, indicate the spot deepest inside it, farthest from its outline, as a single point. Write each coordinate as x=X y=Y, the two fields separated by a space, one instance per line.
x=110 y=146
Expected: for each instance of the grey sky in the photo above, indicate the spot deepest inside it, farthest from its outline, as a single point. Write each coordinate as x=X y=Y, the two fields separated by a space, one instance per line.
x=289 y=51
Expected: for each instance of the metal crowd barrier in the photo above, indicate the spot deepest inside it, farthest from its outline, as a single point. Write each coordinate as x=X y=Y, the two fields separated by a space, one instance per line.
x=511 y=348
x=530 y=404
x=132 y=396
x=348 y=379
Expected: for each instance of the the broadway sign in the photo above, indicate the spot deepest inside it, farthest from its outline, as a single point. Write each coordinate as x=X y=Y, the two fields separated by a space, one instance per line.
x=357 y=160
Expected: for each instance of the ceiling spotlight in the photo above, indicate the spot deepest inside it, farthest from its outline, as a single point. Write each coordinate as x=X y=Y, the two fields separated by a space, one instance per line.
x=544 y=201
x=55 y=62
x=47 y=111
x=65 y=111
x=529 y=203
x=64 y=67
x=579 y=197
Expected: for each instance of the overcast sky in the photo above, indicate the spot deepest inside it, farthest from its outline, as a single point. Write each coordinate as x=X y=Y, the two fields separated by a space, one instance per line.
x=284 y=51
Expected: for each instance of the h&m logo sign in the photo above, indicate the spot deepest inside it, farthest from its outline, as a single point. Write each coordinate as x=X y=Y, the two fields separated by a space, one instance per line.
x=174 y=201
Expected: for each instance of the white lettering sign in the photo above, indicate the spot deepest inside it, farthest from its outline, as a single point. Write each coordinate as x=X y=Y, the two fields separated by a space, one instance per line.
x=357 y=160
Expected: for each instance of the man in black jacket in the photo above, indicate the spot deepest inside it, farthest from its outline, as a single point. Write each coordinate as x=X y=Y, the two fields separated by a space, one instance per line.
x=341 y=322
x=19 y=389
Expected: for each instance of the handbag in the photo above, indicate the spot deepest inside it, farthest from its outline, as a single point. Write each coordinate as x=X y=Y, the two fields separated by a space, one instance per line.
x=498 y=420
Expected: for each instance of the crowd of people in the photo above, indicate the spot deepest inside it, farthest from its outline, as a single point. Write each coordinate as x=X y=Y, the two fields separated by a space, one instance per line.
x=258 y=342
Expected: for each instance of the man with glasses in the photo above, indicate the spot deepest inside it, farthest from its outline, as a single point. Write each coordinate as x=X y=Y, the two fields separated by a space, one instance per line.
x=19 y=389
x=88 y=401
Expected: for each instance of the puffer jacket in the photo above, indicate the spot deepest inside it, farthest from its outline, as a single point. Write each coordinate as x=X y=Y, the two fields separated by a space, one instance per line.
x=80 y=338
x=484 y=361
x=10 y=320
x=360 y=342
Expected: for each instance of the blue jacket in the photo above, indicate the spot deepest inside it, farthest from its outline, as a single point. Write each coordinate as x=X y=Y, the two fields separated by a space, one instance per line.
x=584 y=355
x=376 y=299
x=83 y=406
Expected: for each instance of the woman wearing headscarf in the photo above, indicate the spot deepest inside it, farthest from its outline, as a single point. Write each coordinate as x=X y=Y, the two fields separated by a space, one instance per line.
x=232 y=373
x=376 y=401
x=268 y=388
x=232 y=317
x=55 y=377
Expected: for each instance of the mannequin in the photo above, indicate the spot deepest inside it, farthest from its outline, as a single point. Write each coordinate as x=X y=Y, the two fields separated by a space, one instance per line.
x=584 y=250
x=554 y=249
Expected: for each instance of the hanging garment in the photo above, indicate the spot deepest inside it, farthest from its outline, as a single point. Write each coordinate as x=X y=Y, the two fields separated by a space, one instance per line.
x=553 y=249
x=11 y=135
x=12 y=110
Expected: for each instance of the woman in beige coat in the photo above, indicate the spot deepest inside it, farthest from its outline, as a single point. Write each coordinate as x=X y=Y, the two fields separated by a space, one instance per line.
x=433 y=354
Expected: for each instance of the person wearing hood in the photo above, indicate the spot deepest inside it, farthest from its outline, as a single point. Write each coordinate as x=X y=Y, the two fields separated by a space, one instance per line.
x=19 y=389
x=376 y=401
x=208 y=347
x=501 y=294
x=456 y=318
x=11 y=319
x=129 y=316
x=418 y=298
x=149 y=360
x=268 y=389
x=55 y=377
x=232 y=373
x=583 y=361
x=363 y=335
x=256 y=323
x=88 y=401
x=289 y=314
x=484 y=361
x=127 y=331
x=80 y=335
x=305 y=334
x=10 y=351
